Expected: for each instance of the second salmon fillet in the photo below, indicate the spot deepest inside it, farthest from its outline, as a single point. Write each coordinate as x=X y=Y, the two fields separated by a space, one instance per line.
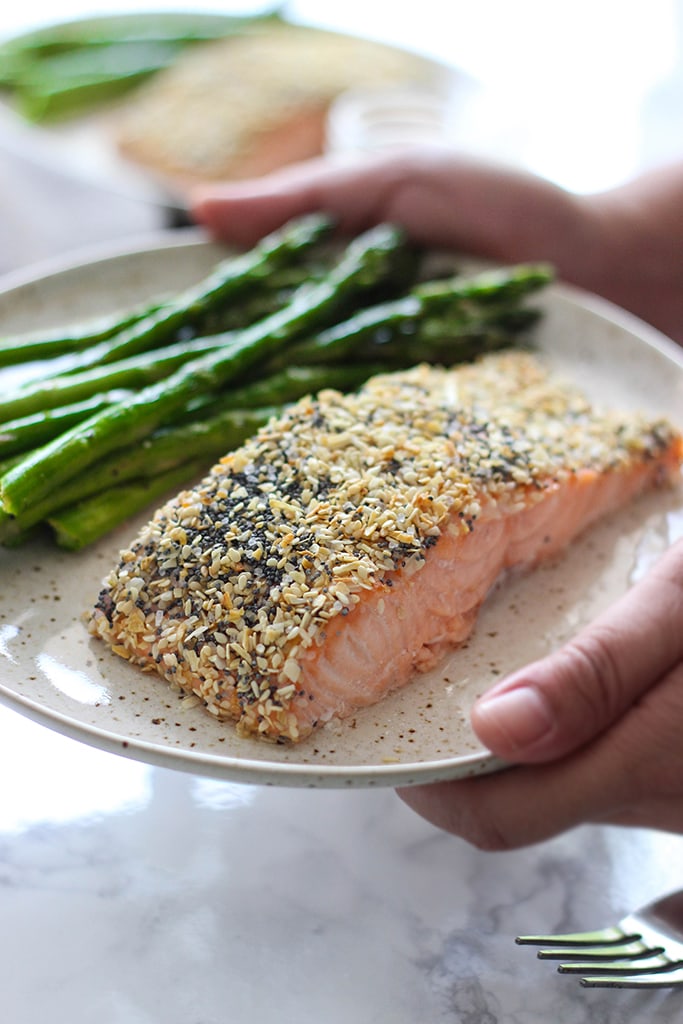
x=352 y=541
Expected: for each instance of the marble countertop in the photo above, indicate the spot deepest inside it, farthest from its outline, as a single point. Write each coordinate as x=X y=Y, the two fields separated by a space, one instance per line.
x=138 y=895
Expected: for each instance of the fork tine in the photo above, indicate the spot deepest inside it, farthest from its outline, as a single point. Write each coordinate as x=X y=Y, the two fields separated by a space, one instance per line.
x=602 y=937
x=655 y=965
x=642 y=950
x=624 y=951
x=670 y=979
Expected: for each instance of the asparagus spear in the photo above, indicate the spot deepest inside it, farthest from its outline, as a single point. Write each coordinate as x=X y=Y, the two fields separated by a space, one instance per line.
x=5 y=466
x=449 y=339
x=66 y=84
x=73 y=386
x=273 y=390
x=230 y=280
x=499 y=285
x=200 y=442
x=73 y=338
x=267 y=296
x=380 y=253
x=31 y=431
x=135 y=372
x=86 y=522
x=453 y=308
x=293 y=382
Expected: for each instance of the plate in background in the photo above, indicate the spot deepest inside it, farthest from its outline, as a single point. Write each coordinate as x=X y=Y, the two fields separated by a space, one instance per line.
x=86 y=146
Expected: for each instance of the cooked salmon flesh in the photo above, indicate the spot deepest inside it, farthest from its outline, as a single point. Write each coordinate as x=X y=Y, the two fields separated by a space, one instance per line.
x=351 y=542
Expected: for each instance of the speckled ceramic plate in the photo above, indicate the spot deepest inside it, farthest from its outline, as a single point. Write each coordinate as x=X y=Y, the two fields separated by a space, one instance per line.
x=52 y=671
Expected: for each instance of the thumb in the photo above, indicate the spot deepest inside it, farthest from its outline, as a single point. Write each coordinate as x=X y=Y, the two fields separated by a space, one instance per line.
x=554 y=706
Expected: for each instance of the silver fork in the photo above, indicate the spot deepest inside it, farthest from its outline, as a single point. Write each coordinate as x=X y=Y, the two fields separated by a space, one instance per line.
x=644 y=950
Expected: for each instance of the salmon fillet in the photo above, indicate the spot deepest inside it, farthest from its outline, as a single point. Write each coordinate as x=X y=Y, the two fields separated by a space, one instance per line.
x=350 y=543
x=248 y=104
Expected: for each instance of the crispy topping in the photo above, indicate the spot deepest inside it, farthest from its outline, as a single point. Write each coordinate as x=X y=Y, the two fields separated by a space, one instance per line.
x=233 y=580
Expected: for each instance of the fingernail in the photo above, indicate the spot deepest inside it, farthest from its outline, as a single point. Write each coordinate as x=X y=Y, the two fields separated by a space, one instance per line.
x=521 y=717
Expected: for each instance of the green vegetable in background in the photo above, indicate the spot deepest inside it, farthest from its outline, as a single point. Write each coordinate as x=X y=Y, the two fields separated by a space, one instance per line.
x=72 y=67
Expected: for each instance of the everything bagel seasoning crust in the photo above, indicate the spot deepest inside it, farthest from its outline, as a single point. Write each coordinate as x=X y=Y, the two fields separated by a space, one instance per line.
x=352 y=540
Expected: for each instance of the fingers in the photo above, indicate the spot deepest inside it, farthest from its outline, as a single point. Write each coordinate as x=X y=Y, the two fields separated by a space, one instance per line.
x=441 y=199
x=631 y=775
x=509 y=810
x=643 y=215
x=520 y=806
x=594 y=728
x=243 y=212
x=527 y=804
x=407 y=189
x=556 y=705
